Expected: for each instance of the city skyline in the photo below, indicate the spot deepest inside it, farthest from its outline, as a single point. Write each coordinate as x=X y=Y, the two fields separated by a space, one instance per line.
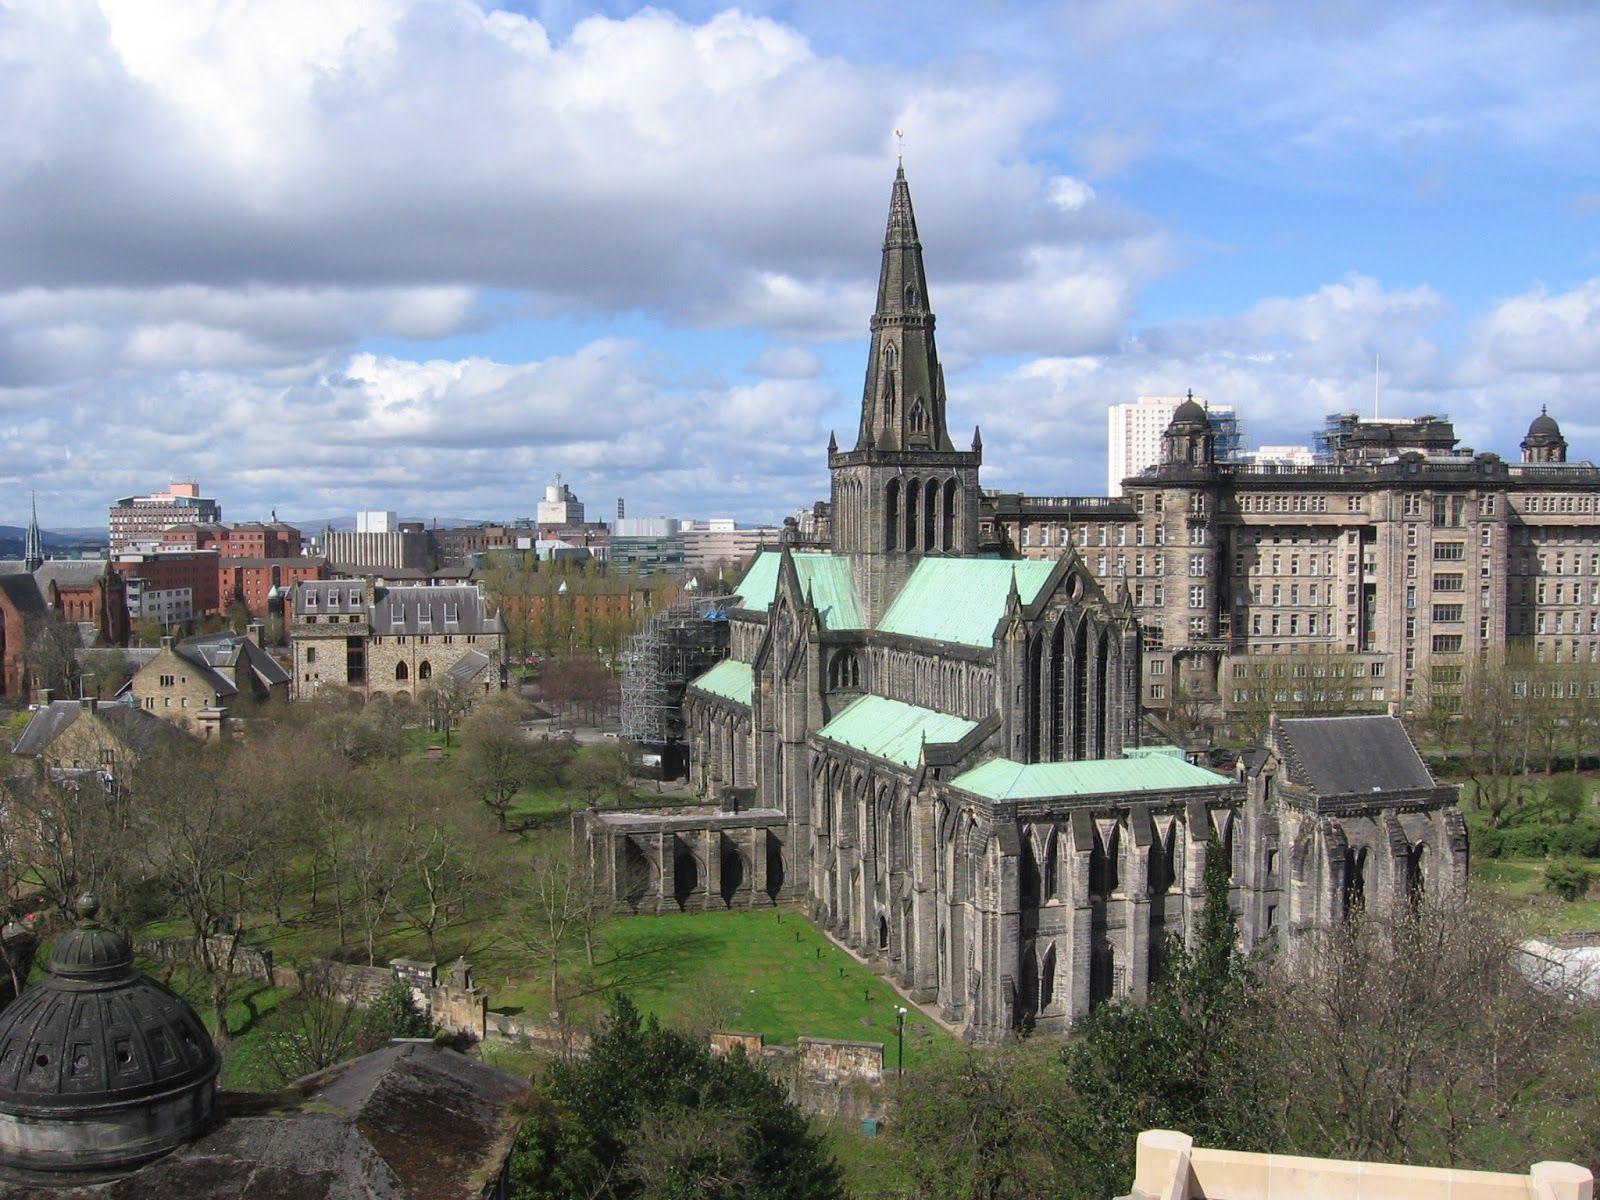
x=657 y=289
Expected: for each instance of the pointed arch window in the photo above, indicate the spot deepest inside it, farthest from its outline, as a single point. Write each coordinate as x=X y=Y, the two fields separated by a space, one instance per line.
x=401 y=672
x=425 y=671
x=918 y=419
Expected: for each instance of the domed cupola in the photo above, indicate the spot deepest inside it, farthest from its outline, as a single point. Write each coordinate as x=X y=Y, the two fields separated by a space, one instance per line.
x=1189 y=439
x=1544 y=443
x=101 y=1067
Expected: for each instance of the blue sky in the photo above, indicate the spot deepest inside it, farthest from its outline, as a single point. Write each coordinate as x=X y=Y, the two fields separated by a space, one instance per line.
x=424 y=254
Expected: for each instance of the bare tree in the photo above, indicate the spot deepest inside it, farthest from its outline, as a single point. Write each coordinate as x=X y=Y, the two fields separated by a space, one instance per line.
x=210 y=852
x=446 y=702
x=1411 y=1036
x=556 y=909
x=443 y=875
x=699 y=1146
x=317 y=1028
x=498 y=759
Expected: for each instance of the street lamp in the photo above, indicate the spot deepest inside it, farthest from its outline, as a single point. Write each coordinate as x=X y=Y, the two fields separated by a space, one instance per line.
x=900 y=1037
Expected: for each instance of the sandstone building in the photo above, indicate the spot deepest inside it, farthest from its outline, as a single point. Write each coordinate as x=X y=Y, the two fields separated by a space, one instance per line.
x=1398 y=561
x=940 y=752
x=198 y=682
x=396 y=641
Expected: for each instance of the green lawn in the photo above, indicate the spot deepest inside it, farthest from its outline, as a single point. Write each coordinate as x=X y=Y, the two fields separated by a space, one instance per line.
x=1522 y=883
x=765 y=971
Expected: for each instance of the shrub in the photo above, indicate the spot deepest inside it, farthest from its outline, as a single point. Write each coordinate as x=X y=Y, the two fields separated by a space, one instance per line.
x=1568 y=879
x=1525 y=841
x=1581 y=839
x=394 y=1014
x=1565 y=797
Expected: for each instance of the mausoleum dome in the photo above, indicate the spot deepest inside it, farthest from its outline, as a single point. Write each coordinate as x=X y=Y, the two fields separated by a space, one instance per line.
x=101 y=1067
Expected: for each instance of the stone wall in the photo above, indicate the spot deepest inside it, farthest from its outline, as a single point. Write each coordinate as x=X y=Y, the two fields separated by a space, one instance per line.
x=438 y=651
x=248 y=961
x=724 y=1044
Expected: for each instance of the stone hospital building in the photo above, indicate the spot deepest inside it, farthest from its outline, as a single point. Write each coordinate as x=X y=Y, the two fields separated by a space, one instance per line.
x=939 y=752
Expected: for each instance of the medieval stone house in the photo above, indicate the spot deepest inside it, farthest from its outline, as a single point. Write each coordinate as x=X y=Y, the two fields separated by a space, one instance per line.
x=939 y=753
x=397 y=641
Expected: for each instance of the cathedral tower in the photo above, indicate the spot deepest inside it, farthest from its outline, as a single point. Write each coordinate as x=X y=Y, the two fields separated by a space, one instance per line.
x=904 y=490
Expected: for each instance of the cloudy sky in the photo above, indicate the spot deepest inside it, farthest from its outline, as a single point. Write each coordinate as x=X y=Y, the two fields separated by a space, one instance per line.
x=424 y=254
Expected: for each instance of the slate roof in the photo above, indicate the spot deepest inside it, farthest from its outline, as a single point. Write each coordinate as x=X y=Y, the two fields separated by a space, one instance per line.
x=23 y=592
x=1338 y=756
x=412 y=1121
x=961 y=600
x=416 y=610
x=1004 y=779
x=144 y=733
x=225 y=649
x=469 y=666
x=68 y=572
x=828 y=577
x=730 y=679
x=892 y=730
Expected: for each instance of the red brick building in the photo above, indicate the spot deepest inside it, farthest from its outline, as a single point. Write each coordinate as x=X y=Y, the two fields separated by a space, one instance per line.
x=252 y=579
x=87 y=592
x=197 y=570
x=253 y=539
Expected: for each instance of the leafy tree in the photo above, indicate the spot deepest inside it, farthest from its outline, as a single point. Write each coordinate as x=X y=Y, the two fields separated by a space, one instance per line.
x=718 y=1127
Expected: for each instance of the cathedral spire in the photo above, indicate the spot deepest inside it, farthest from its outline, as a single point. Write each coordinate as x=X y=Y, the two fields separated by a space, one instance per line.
x=33 y=547
x=902 y=404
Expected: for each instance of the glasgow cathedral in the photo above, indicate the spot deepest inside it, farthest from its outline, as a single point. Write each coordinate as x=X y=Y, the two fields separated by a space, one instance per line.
x=939 y=752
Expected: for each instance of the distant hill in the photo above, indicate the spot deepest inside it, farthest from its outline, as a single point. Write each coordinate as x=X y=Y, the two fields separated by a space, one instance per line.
x=14 y=537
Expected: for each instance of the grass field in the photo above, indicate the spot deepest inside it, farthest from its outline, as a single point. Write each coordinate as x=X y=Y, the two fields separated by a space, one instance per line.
x=766 y=971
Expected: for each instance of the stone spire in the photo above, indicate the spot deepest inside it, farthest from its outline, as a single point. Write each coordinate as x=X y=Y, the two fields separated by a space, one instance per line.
x=33 y=547
x=902 y=404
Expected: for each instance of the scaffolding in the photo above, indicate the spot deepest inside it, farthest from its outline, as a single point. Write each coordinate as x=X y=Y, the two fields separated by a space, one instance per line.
x=676 y=645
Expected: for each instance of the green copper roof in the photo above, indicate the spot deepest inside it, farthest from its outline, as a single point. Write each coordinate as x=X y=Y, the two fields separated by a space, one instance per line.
x=730 y=679
x=827 y=575
x=961 y=599
x=893 y=731
x=1003 y=779
x=1155 y=751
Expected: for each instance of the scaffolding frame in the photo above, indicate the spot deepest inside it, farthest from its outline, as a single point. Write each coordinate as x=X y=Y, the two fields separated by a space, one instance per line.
x=676 y=645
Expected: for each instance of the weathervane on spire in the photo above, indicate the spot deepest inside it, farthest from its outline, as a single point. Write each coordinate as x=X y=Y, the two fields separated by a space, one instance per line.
x=900 y=147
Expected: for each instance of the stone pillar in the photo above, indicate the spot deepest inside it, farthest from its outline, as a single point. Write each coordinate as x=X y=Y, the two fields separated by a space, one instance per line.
x=668 y=871
x=1136 y=887
x=712 y=889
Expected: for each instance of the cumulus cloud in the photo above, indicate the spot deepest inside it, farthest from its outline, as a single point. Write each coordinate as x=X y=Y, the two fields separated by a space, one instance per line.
x=1287 y=361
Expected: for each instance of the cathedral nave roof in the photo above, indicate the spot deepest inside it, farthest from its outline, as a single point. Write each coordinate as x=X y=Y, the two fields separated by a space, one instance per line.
x=1004 y=779
x=892 y=730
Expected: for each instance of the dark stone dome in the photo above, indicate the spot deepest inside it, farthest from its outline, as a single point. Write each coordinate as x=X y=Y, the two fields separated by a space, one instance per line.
x=101 y=1067
x=1544 y=426
x=1191 y=412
